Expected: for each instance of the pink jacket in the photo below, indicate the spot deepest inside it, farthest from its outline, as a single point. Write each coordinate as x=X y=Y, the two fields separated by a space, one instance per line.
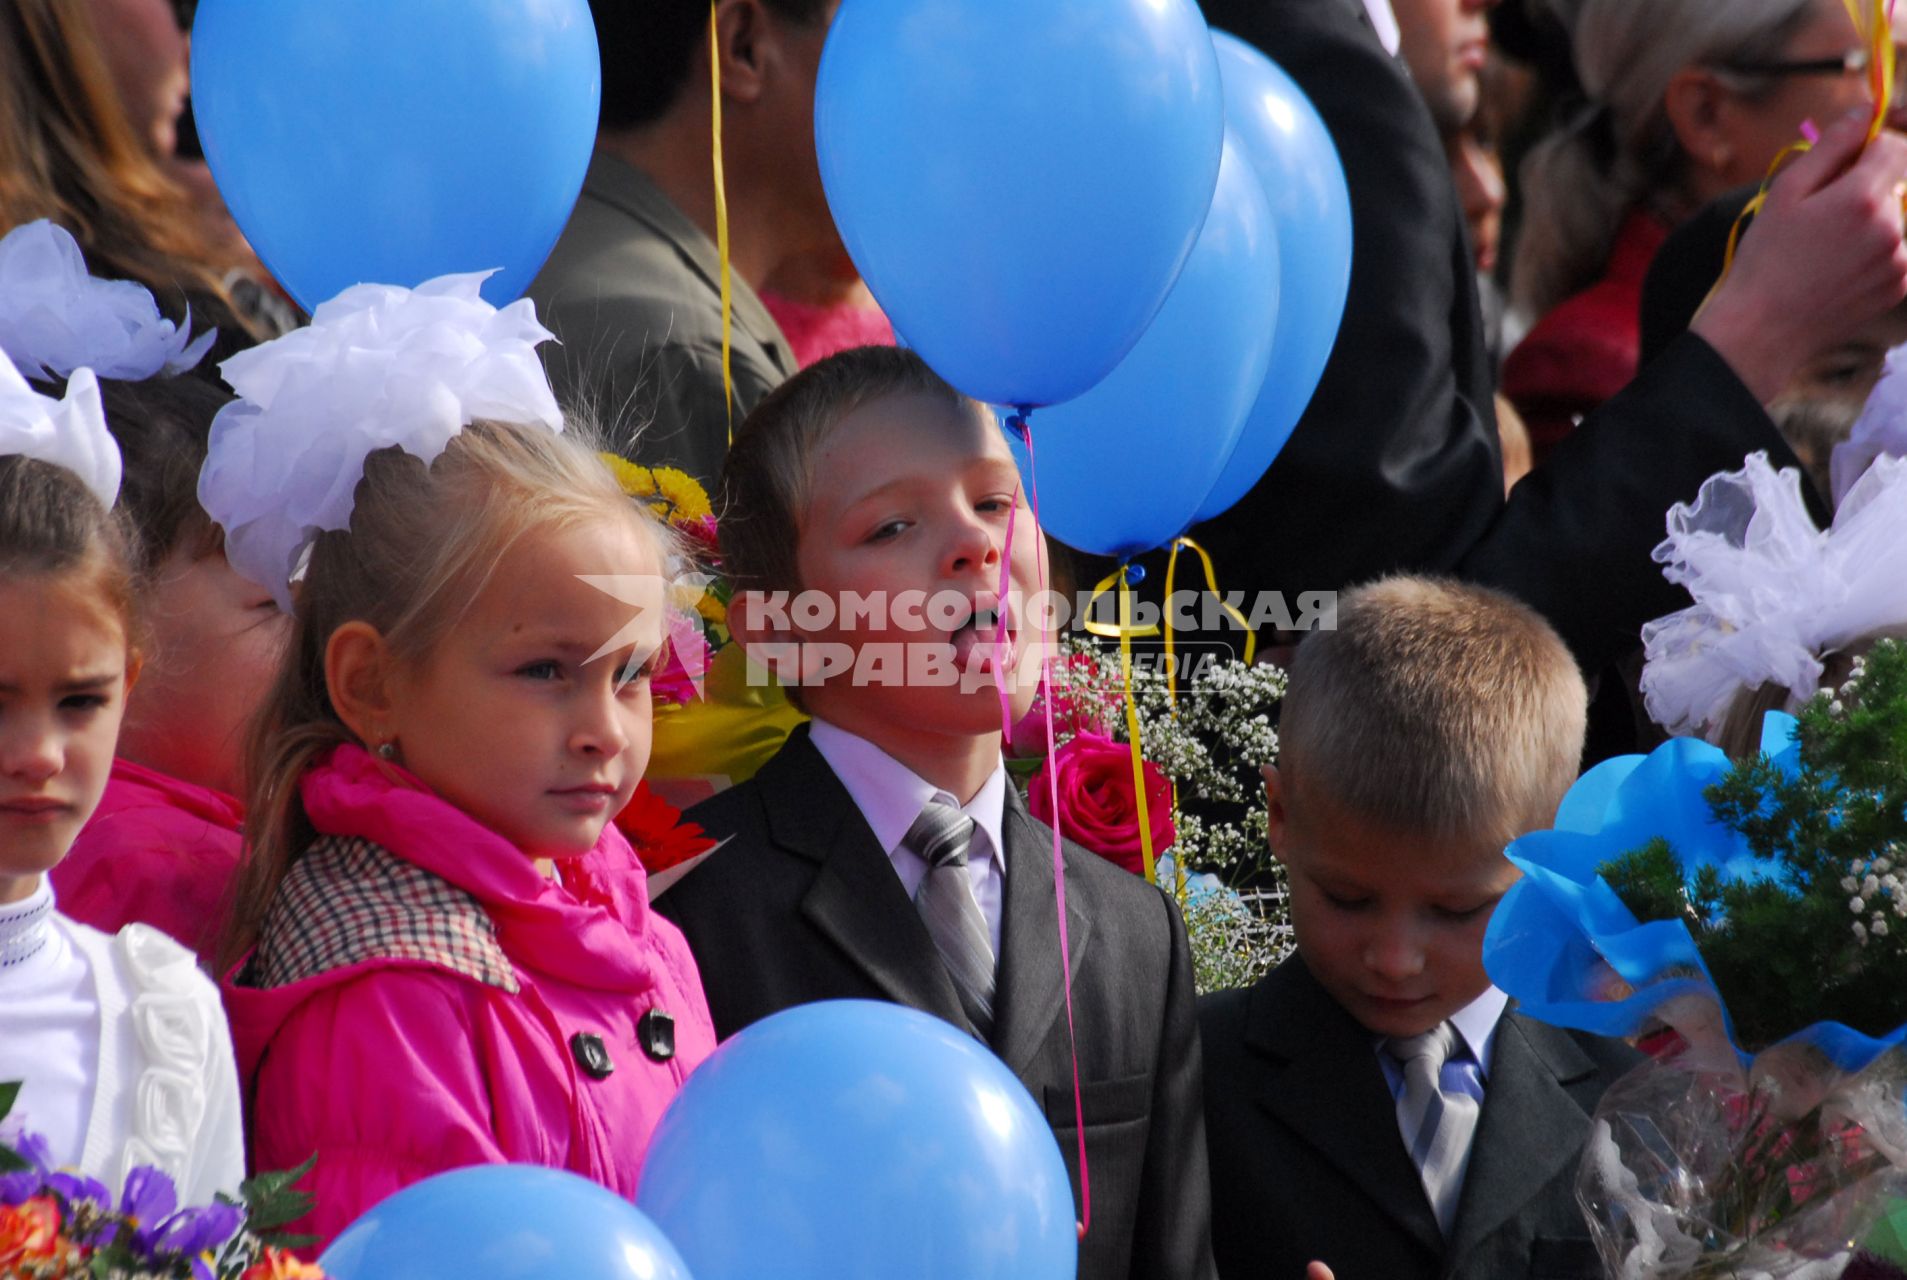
x=158 y=851
x=441 y=991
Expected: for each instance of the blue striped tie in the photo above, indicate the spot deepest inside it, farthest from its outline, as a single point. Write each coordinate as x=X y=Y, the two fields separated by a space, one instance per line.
x=1437 y=1123
x=941 y=836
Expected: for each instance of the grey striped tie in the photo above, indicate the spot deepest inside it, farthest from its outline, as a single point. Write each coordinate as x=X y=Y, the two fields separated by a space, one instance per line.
x=941 y=836
x=1437 y=1124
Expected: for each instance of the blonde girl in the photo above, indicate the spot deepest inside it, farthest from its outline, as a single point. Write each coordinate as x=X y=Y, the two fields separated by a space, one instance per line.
x=442 y=952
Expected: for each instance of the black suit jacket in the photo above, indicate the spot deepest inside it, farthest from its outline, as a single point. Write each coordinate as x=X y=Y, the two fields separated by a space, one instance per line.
x=1307 y=1161
x=1395 y=465
x=802 y=904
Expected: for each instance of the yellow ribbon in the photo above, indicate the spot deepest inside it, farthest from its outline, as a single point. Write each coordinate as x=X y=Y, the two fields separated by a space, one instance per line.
x=1124 y=630
x=1211 y=585
x=1877 y=36
x=1171 y=660
x=721 y=216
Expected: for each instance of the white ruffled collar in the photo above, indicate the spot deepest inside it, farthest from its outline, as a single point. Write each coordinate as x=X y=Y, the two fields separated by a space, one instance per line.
x=26 y=927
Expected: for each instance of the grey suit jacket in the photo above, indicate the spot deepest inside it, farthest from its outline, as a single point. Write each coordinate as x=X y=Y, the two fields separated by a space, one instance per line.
x=1307 y=1162
x=802 y=904
x=632 y=290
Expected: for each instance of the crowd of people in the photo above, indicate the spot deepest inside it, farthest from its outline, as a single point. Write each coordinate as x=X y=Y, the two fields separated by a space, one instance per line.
x=311 y=745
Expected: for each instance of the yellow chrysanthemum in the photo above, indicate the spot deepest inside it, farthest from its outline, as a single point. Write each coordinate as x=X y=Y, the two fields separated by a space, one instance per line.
x=675 y=496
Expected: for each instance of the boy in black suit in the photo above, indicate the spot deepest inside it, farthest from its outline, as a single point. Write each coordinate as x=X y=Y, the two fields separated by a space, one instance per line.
x=1373 y=1104
x=883 y=854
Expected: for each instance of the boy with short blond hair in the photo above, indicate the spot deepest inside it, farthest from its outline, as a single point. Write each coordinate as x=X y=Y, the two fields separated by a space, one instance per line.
x=1373 y=1103
x=883 y=853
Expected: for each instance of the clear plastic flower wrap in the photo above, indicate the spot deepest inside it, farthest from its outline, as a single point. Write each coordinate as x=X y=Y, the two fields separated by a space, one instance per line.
x=1696 y=1168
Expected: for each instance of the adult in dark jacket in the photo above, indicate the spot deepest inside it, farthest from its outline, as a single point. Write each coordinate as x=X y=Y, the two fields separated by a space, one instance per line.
x=1395 y=464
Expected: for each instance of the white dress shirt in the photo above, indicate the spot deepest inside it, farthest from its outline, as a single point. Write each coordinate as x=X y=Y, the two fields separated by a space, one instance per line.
x=890 y=796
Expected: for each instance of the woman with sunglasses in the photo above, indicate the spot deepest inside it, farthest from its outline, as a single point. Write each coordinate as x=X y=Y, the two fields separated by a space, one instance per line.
x=1687 y=100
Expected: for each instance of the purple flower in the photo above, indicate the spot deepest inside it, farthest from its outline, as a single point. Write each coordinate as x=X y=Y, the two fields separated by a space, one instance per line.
x=202 y=1270
x=149 y=1197
x=18 y=1188
x=193 y=1231
x=34 y=1149
x=22 y=1185
x=74 y=1188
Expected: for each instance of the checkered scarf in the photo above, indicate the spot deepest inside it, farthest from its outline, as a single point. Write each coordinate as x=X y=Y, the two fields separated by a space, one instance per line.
x=348 y=900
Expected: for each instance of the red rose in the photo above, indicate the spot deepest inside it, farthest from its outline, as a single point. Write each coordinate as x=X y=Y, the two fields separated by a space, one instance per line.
x=1097 y=806
x=655 y=829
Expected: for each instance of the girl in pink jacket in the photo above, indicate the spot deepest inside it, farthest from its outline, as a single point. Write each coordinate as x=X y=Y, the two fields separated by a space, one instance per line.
x=442 y=952
x=163 y=845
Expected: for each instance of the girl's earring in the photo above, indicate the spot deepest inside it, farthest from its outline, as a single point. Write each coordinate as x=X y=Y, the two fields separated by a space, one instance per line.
x=387 y=750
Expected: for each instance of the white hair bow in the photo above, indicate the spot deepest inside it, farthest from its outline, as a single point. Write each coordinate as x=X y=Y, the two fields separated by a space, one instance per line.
x=56 y=317
x=1774 y=593
x=378 y=366
x=69 y=433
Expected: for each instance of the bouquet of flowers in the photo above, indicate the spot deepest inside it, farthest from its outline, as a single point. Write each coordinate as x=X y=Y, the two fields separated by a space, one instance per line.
x=1202 y=745
x=1750 y=923
x=713 y=726
x=62 y=1226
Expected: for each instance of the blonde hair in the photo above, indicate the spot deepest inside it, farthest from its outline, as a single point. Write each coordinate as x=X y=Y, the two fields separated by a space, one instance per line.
x=424 y=541
x=1578 y=183
x=1436 y=708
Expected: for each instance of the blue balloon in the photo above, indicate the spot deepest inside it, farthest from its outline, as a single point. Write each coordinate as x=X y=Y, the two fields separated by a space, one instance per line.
x=1123 y=468
x=1287 y=143
x=1019 y=183
x=391 y=141
x=854 y=1140
x=503 y=1222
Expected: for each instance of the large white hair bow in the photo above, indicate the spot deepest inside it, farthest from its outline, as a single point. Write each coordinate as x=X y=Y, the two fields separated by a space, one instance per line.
x=68 y=433
x=56 y=317
x=378 y=366
x=1774 y=593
